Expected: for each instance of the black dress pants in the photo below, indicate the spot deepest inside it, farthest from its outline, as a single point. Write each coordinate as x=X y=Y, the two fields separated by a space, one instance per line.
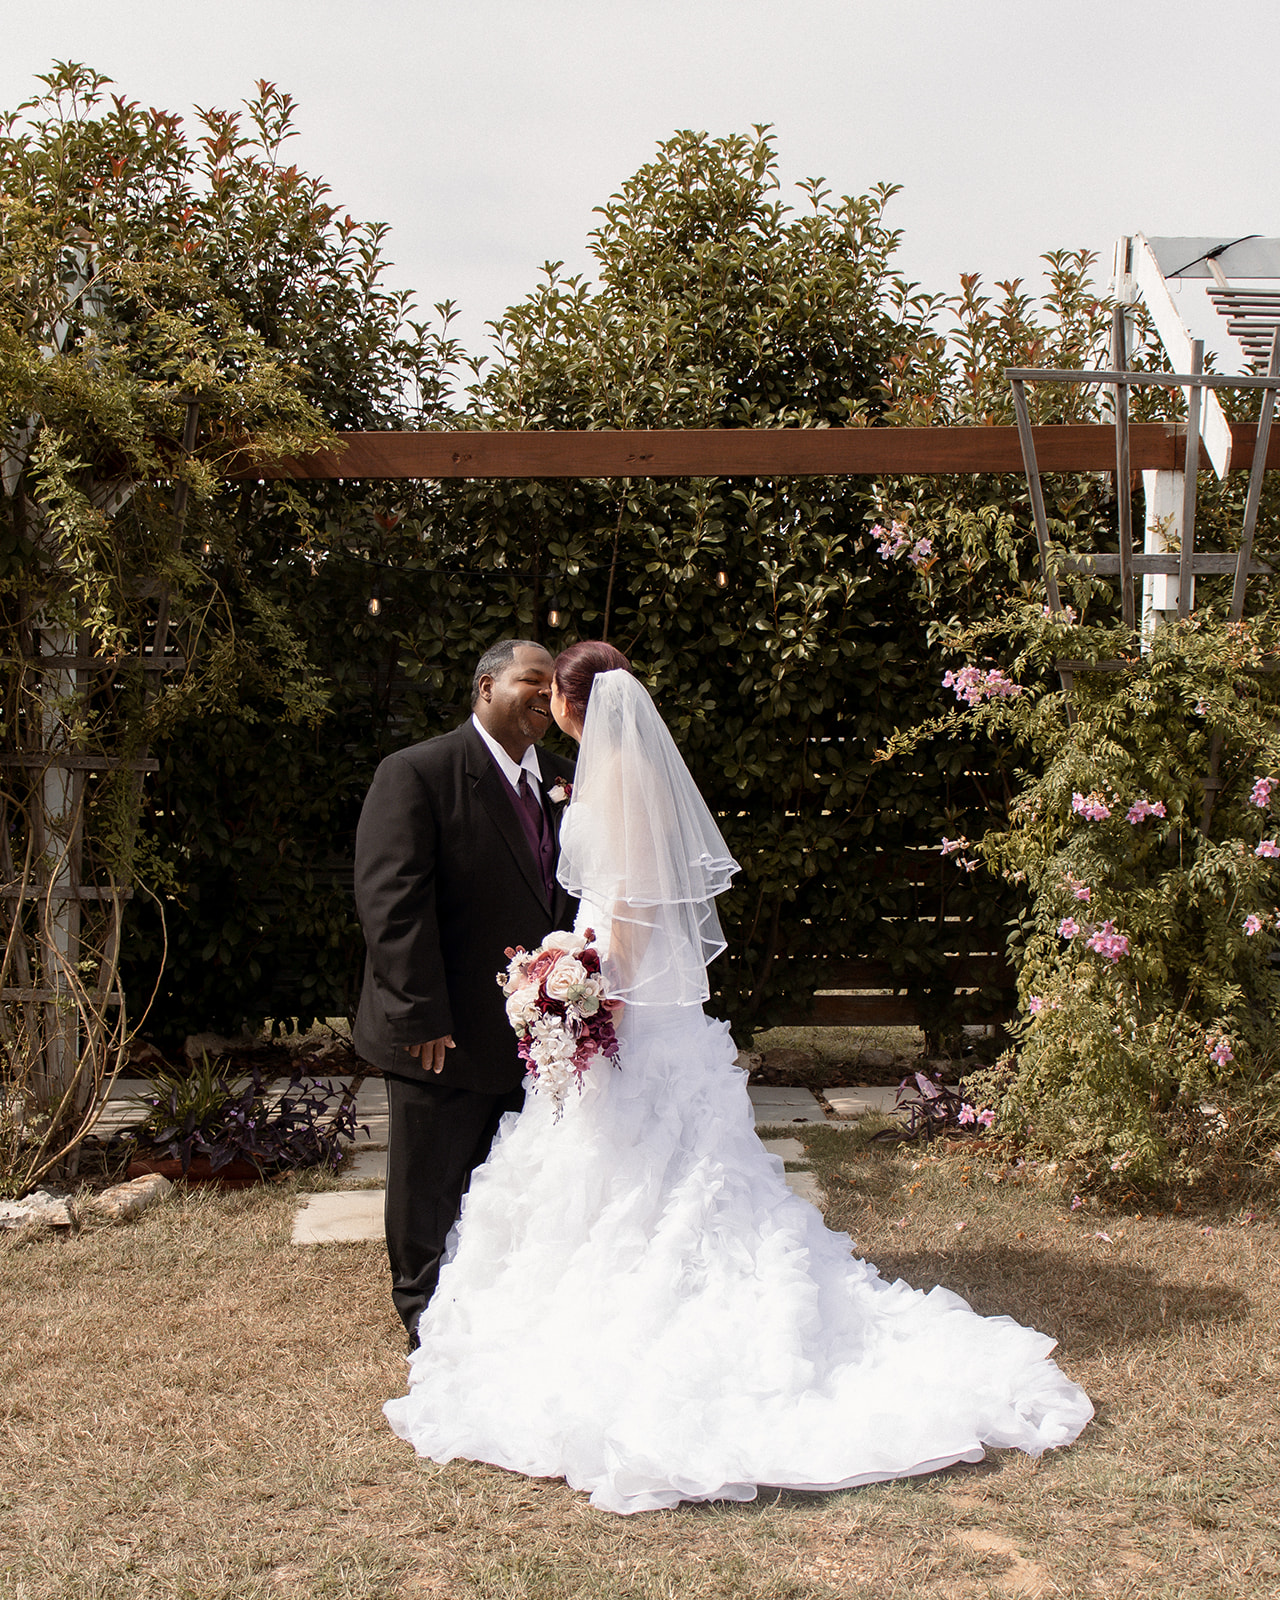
x=437 y=1136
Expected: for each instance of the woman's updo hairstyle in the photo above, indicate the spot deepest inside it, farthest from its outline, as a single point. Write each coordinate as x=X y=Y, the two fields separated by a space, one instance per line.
x=576 y=667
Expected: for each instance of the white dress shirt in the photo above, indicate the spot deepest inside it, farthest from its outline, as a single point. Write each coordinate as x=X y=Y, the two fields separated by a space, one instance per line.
x=510 y=769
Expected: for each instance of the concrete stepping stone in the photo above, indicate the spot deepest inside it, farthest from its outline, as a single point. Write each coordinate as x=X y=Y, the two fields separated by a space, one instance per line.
x=772 y=1105
x=806 y=1186
x=339 y=1217
x=788 y=1149
x=362 y=1164
x=858 y=1102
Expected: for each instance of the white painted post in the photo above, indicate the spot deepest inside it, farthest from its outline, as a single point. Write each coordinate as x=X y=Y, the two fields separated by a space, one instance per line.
x=1164 y=492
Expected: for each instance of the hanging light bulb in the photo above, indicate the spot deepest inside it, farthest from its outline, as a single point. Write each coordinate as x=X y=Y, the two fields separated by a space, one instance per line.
x=553 y=616
x=375 y=606
x=722 y=579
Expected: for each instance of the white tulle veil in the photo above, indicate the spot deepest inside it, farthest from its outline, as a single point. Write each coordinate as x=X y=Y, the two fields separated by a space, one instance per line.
x=642 y=845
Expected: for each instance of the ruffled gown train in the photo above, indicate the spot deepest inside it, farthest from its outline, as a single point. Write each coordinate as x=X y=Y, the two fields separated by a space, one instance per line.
x=635 y=1301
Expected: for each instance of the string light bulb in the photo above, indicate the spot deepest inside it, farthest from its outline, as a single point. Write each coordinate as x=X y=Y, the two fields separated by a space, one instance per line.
x=722 y=579
x=375 y=606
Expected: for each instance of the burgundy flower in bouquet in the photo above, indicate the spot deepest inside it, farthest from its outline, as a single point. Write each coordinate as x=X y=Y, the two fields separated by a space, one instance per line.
x=556 y=1004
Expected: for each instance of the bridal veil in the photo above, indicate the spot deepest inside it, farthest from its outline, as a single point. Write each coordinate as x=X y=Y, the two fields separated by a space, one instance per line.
x=641 y=847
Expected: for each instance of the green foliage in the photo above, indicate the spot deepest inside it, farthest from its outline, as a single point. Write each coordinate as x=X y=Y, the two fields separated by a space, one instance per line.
x=783 y=649
x=151 y=279
x=1144 y=950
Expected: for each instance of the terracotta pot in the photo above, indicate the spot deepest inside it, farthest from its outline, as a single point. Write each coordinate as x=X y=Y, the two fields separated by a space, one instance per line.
x=237 y=1174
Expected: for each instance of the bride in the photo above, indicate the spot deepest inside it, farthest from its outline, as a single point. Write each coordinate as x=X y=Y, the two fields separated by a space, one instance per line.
x=633 y=1299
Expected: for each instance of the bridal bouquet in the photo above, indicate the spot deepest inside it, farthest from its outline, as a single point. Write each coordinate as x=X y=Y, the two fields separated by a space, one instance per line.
x=556 y=1004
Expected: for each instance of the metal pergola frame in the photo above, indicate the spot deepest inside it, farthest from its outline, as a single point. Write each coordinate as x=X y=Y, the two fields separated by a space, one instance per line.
x=1186 y=563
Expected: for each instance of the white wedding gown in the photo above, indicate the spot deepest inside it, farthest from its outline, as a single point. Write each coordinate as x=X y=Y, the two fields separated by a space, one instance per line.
x=633 y=1299
x=636 y=1302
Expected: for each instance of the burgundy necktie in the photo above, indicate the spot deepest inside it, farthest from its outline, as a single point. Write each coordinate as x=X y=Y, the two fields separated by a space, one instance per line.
x=541 y=830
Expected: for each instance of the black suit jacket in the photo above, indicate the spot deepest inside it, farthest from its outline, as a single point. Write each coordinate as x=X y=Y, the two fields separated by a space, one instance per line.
x=445 y=881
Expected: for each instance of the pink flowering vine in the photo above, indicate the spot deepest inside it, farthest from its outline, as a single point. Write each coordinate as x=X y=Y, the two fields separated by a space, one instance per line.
x=1035 y=1005
x=1107 y=942
x=892 y=542
x=973 y=685
x=1068 y=928
x=1268 y=848
x=1252 y=924
x=967 y=1116
x=896 y=541
x=1218 y=1048
x=1260 y=794
x=1140 y=810
x=1090 y=806
x=920 y=553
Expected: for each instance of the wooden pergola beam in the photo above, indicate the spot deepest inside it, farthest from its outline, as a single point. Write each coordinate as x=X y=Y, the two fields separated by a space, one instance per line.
x=748 y=453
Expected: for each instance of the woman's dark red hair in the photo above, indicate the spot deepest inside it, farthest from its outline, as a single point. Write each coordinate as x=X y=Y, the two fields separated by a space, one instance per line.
x=577 y=666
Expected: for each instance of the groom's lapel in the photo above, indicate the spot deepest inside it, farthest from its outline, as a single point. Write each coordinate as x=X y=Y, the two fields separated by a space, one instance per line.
x=556 y=810
x=491 y=789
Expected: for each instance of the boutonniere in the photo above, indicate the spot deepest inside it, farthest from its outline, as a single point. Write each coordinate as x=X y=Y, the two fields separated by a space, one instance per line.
x=560 y=792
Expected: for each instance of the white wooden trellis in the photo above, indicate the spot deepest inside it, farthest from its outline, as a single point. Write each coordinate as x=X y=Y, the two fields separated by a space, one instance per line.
x=1186 y=563
x=50 y=992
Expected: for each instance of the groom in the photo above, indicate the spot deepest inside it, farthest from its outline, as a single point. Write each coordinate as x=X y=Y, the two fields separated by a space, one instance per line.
x=455 y=861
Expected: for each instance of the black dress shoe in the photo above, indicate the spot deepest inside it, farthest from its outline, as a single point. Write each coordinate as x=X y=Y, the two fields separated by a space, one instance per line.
x=414 y=1341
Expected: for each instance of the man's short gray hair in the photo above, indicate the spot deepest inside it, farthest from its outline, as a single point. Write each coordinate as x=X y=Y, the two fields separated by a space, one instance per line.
x=496 y=659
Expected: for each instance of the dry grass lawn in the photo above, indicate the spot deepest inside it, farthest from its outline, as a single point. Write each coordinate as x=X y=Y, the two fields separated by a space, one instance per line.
x=190 y=1408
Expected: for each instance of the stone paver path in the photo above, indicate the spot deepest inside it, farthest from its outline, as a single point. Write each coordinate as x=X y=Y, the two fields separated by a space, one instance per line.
x=858 y=1102
x=772 y=1106
x=339 y=1217
x=354 y=1214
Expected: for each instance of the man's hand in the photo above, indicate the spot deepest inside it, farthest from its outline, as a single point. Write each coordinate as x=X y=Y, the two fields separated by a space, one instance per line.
x=430 y=1056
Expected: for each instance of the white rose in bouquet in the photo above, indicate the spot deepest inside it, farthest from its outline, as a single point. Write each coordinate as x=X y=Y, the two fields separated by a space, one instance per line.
x=522 y=1008
x=566 y=979
x=564 y=939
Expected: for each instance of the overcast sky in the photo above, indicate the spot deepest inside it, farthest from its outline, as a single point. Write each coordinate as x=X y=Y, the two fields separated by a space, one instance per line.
x=485 y=131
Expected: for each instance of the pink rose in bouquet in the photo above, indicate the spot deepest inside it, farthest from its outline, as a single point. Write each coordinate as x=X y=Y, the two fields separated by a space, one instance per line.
x=557 y=1005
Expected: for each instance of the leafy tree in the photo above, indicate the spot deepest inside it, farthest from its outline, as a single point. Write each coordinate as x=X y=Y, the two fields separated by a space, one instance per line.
x=782 y=650
x=171 y=311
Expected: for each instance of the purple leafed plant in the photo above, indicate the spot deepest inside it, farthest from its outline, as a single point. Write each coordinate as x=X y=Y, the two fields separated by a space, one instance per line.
x=207 y=1115
x=932 y=1107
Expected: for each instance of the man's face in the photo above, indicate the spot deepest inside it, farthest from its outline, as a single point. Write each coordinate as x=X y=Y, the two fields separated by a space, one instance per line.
x=515 y=706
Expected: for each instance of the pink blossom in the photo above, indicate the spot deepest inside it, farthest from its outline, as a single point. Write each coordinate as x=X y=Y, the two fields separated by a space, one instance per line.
x=921 y=553
x=1076 y=1202
x=986 y=1118
x=1065 y=614
x=1107 y=942
x=1268 y=848
x=950 y=846
x=1035 y=1005
x=1252 y=924
x=973 y=685
x=1090 y=806
x=1068 y=928
x=1260 y=794
x=1082 y=892
x=1140 y=810
x=891 y=543
x=966 y=1115
x=1218 y=1048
